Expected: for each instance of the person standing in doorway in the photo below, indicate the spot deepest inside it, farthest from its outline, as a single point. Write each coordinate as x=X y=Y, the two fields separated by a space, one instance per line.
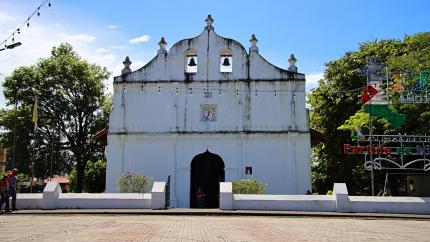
x=201 y=197
x=12 y=187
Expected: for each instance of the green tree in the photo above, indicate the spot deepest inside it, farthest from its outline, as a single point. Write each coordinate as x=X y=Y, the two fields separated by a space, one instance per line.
x=336 y=105
x=19 y=119
x=70 y=93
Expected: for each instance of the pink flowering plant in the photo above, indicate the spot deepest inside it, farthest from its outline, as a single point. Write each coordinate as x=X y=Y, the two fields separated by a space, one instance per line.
x=134 y=183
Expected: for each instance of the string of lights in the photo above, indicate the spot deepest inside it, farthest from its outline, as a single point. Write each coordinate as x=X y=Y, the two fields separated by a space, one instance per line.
x=210 y=91
x=359 y=89
x=220 y=91
x=20 y=28
x=406 y=74
x=142 y=88
x=392 y=75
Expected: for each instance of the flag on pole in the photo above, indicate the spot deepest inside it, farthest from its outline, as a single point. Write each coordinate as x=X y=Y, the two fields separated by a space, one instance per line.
x=35 y=115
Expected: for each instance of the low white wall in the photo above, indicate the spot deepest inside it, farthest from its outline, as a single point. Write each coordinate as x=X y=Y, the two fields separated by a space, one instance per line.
x=340 y=201
x=103 y=200
x=29 y=200
x=53 y=198
x=365 y=204
x=284 y=202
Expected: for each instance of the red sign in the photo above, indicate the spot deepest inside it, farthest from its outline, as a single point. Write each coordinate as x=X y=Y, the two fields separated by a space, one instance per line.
x=248 y=170
x=348 y=149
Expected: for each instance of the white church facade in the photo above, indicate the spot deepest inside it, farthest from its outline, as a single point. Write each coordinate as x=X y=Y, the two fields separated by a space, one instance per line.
x=208 y=111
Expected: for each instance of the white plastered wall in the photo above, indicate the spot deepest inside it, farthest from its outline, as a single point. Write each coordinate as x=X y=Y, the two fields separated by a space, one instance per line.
x=155 y=127
x=158 y=156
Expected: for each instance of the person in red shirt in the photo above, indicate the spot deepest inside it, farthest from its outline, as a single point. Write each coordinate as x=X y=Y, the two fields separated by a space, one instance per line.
x=201 y=197
x=4 y=193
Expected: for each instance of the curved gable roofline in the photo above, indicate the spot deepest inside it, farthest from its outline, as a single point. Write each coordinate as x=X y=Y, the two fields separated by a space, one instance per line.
x=178 y=43
x=236 y=43
x=149 y=63
x=244 y=50
x=175 y=45
x=276 y=67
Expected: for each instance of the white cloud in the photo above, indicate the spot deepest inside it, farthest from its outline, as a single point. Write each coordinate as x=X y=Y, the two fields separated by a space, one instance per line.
x=79 y=37
x=117 y=47
x=5 y=17
x=107 y=60
x=312 y=80
x=112 y=26
x=38 y=40
x=142 y=38
x=102 y=50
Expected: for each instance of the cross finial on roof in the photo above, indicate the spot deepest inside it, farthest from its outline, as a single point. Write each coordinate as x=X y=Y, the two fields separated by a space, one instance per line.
x=162 y=45
x=292 y=62
x=209 y=21
x=127 y=64
x=253 y=42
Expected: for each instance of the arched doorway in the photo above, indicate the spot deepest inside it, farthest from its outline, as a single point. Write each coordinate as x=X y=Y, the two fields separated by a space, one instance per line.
x=207 y=171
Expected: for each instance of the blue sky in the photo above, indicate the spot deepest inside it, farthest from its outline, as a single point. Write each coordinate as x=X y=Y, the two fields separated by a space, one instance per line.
x=103 y=31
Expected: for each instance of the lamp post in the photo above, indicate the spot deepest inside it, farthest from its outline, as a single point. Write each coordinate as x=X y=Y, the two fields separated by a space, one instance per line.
x=14 y=132
x=53 y=132
x=6 y=47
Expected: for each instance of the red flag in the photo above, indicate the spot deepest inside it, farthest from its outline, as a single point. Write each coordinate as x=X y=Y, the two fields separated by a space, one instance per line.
x=368 y=93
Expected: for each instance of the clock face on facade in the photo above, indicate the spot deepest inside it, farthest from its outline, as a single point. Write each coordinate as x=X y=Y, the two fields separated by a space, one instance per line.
x=208 y=112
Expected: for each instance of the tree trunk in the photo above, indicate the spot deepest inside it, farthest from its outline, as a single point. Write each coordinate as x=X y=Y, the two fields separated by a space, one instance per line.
x=79 y=176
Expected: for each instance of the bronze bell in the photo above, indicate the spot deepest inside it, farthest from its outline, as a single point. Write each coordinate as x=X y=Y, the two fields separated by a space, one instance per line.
x=192 y=62
x=226 y=62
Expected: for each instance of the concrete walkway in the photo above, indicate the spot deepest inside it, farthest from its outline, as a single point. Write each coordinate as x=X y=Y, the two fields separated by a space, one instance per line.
x=218 y=212
x=94 y=227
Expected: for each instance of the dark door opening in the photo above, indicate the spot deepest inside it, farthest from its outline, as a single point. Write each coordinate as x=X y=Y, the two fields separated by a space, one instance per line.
x=207 y=171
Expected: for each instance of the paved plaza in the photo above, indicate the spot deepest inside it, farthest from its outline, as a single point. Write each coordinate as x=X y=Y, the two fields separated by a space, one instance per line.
x=21 y=227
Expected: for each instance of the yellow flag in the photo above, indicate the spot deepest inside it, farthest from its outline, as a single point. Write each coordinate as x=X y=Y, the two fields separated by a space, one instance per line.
x=35 y=117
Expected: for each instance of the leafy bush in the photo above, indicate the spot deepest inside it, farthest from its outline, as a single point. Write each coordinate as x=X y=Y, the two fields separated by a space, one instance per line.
x=249 y=186
x=36 y=189
x=21 y=177
x=133 y=183
x=94 y=177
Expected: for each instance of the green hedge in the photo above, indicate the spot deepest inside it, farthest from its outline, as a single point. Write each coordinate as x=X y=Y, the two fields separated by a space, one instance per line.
x=249 y=186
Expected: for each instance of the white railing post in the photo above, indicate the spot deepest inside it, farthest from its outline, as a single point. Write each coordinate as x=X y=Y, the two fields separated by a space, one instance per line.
x=226 y=196
x=158 y=195
x=50 y=195
x=340 y=193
